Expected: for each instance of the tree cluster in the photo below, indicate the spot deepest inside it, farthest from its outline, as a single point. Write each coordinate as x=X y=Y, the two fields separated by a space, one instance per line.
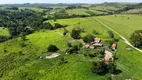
x=136 y=38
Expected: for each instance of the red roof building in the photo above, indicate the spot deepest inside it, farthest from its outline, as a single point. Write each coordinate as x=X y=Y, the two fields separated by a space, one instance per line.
x=97 y=40
x=114 y=46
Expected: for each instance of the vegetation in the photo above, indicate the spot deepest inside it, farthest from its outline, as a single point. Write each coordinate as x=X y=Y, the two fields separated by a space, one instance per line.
x=32 y=32
x=52 y=48
x=136 y=38
x=88 y=38
x=76 y=33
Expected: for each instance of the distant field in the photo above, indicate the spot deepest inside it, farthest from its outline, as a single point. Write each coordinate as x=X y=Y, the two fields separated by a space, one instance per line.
x=32 y=8
x=135 y=11
x=4 y=31
x=124 y=26
x=77 y=11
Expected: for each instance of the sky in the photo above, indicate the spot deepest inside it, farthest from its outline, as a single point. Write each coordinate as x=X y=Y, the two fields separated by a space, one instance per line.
x=63 y=1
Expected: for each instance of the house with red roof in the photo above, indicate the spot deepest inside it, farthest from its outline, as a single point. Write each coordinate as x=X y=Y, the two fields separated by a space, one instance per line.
x=114 y=46
x=97 y=40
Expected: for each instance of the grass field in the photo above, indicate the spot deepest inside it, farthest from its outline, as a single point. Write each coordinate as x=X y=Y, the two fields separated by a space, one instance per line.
x=4 y=31
x=78 y=11
x=27 y=65
x=124 y=26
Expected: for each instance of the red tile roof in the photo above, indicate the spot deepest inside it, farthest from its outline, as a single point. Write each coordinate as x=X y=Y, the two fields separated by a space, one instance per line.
x=97 y=39
x=114 y=45
x=86 y=46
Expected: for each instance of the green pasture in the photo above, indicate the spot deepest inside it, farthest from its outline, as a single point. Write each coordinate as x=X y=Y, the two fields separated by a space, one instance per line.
x=123 y=24
x=78 y=11
x=26 y=62
x=4 y=31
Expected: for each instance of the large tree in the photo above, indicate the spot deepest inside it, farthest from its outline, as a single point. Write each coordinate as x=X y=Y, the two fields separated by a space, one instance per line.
x=76 y=33
x=136 y=38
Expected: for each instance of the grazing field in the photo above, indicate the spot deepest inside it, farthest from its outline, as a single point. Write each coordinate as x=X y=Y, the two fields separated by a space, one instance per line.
x=4 y=31
x=123 y=24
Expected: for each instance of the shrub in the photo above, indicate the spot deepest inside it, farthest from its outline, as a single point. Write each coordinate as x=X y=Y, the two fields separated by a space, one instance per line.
x=88 y=38
x=111 y=35
x=3 y=38
x=52 y=48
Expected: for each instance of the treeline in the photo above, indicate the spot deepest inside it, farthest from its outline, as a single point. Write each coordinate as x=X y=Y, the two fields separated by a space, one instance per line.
x=25 y=21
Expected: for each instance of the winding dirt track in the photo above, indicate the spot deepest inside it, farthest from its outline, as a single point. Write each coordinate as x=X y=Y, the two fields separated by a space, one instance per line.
x=126 y=41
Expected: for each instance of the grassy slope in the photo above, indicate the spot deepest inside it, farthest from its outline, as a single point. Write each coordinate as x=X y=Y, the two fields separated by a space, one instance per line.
x=123 y=26
x=27 y=65
x=4 y=31
x=128 y=61
x=78 y=66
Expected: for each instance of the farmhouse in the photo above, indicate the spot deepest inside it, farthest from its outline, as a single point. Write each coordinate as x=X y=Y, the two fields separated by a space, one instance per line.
x=114 y=46
x=97 y=40
x=98 y=45
x=108 y=55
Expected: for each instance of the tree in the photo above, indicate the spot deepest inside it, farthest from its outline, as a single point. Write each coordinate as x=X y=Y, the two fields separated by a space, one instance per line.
x=57 y=25
x=88 y=38
x=111 y=34
x=111 y=68
x=69 y=44
x=99 y=68
x=65 y=32
x=47 y=26
x=76 y=33
x=52 y=48
x=136 y=38
x=74 y=49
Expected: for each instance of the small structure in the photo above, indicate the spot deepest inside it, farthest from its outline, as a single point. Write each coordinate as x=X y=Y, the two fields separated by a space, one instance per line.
x=114 y=46
x=108 y=55
x=54 y=55
x=86 y=46
x=106 y=62
x=92 y=47
x=97 y=40
x=98 y=45
x=52 y=13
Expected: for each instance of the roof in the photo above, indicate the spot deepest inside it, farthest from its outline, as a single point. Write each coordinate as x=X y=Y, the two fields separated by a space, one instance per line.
x=86 y=46
x=98 y=44
x=108 y=55
x=97 y=39
x=114 y=45
x=106 y=62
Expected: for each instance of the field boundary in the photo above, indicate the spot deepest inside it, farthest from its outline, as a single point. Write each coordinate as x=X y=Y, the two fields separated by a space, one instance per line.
x=126 y=41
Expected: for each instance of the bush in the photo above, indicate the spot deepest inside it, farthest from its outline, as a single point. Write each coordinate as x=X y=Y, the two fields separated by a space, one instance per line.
x=111 y=35
x=3 y=38
x=99 y=68
x=52 y=48
x=88 y=38
x=74 y=49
